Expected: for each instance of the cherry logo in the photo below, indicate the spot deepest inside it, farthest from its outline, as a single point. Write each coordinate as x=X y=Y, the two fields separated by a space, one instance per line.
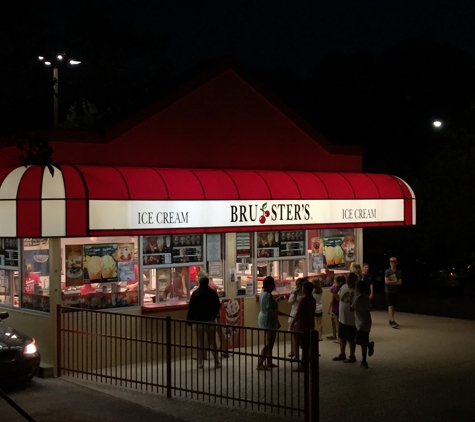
x=265 y=213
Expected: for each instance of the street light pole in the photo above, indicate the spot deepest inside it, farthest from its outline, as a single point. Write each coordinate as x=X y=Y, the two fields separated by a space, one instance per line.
x=55 y=93
x=58 y=59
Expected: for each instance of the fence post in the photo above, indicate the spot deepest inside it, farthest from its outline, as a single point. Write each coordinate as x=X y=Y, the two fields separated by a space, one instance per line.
x=314 y=388
x=168 y=335
x=306 y=375
x=58 y=340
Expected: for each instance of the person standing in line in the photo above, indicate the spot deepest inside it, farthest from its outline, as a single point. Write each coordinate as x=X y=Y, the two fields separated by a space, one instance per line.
x=356 y=268
x=268 y=319
x=334 y=308
x=368 y=281
x=304 y=319
x=204 y=307
x=346 y=319
x=361 y=306
x=392 y=280
x=317 y=294
x=294 y=299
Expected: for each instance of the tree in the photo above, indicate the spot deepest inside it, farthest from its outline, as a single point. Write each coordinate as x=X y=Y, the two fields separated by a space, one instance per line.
x=123 y=67
x=85 y=117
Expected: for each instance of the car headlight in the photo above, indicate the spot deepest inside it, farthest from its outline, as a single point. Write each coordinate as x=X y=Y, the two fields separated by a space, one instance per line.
x=30 y=349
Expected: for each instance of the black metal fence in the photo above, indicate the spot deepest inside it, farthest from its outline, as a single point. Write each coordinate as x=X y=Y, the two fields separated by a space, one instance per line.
x=161 y=355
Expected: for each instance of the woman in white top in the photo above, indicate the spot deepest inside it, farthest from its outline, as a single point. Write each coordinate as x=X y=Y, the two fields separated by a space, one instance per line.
x=317 y=294
x=294 y=299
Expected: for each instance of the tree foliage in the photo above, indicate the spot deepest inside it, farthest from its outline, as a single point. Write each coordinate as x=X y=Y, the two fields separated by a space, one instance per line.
x=83 y=117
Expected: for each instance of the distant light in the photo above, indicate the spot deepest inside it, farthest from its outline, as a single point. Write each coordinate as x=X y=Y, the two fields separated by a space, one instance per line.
x=48 y=63
x=59 y=57
x=41 y=58
x=437 y=123
x=74 y=62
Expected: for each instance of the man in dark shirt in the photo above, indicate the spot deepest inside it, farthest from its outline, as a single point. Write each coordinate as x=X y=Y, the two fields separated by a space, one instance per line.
x=392 y=280
x=204 y=307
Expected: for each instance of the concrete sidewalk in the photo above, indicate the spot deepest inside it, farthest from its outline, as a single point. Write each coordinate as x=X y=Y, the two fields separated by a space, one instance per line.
x=424 y=371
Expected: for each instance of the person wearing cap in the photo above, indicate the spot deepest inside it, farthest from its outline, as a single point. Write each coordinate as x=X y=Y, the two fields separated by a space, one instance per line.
x=392 y=280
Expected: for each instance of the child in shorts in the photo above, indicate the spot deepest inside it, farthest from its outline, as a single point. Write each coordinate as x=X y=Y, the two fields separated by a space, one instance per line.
x=361 y=306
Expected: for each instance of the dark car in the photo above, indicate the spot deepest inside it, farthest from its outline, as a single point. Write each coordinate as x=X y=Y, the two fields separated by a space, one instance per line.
x=19 y=357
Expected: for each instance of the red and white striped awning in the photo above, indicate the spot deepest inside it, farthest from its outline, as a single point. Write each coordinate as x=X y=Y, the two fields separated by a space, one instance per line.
x=91 y=201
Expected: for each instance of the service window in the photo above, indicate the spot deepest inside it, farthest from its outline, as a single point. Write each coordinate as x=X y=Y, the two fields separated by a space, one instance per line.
x=171 y=266
x=9 y=258
x=35 y=272
x=244 y=276
x=330 y=252
x=100 y=272
x=282 y=255
x=215 y=262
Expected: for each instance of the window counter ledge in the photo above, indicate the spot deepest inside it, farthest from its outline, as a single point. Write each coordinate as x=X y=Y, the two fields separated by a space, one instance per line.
x=153 y=308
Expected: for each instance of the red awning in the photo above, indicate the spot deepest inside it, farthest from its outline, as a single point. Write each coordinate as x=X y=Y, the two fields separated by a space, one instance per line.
x=34 y=204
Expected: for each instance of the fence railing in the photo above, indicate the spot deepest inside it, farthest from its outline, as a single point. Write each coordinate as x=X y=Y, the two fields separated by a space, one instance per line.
x=162 y=355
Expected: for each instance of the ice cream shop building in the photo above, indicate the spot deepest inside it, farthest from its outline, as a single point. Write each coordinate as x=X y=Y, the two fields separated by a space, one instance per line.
x=218 y=177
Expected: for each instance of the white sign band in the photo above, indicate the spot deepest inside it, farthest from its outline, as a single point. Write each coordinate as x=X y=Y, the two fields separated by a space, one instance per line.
x=137 y=215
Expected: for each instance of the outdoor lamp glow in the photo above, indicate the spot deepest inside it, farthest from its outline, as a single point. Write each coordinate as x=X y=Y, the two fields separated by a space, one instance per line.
x=437 y=123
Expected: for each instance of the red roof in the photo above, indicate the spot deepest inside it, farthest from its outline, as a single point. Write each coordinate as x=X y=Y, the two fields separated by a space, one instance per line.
x=34 y=204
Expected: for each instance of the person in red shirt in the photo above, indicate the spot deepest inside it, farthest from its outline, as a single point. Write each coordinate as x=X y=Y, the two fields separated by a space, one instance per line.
x=304 y=319
x=30 y=280
x=88 y=288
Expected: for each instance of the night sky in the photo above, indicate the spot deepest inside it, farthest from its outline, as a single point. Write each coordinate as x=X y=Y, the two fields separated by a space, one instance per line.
x=297 y=34
x=374 y=73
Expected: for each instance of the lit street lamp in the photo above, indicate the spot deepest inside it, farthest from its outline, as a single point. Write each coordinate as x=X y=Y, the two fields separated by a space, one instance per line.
x=58 y=59
x=437 y=123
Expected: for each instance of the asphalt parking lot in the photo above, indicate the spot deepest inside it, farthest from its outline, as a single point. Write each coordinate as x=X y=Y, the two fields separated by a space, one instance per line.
x=422 y=372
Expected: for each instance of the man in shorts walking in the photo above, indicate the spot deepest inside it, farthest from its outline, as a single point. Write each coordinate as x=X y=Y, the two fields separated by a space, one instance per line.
x=346 y=319
x=392 y=280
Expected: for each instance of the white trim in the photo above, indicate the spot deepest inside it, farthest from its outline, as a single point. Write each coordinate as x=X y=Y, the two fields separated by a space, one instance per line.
x=53 y=218
x=9 y=187
x=143 y=215
x=8 y=216
x=53 y=187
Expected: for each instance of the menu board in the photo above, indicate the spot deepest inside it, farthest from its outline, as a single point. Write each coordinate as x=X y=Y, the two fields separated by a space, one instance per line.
x=157 y=250
x=9 y=243
x=292 y=243
x=268 y=244
x=187 y=248
x=9 y=252
x=279 y=244
x=100 y=263
x=243 y=245
x=172 y=249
